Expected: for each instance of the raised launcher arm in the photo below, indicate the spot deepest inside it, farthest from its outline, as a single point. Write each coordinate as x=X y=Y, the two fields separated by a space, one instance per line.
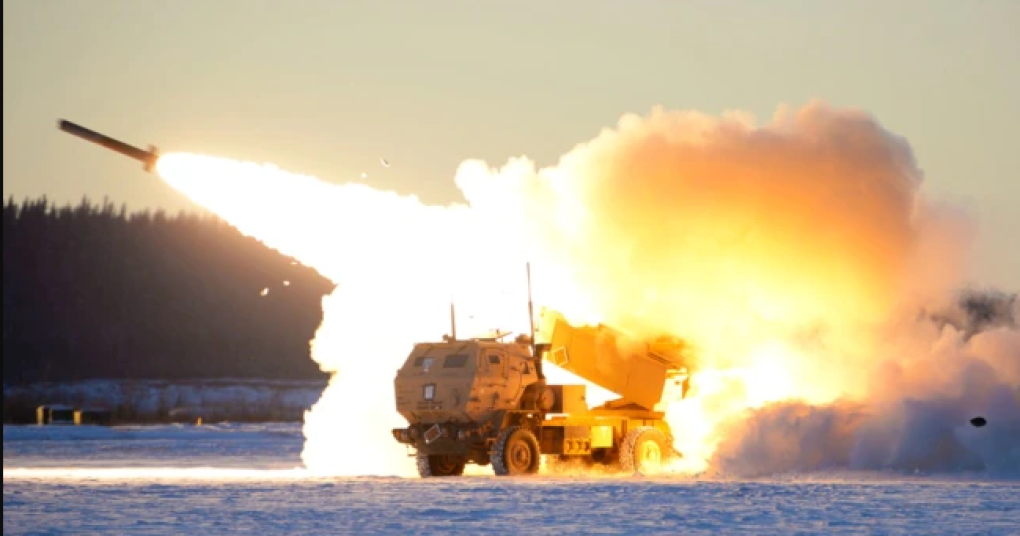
x=635 y=370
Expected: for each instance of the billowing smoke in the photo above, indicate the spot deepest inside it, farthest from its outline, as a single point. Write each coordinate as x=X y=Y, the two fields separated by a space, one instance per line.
x=931 y=381
x=797 y=257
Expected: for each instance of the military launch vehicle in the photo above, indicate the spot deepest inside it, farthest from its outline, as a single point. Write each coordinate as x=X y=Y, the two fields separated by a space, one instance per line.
x=484 y=401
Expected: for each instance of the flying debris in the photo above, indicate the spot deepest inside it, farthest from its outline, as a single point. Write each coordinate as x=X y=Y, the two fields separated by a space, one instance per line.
x=384 y=162
x=147 y=158
x=364 y=175
x=264 y=291
x=978 y=422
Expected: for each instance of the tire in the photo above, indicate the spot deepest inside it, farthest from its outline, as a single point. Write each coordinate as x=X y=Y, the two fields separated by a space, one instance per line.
x=517 y=453
x=644 y=451
x=440 y=465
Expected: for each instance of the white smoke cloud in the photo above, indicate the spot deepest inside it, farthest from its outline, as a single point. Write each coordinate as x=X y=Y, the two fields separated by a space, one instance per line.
x=916 y=417
x=795 y=256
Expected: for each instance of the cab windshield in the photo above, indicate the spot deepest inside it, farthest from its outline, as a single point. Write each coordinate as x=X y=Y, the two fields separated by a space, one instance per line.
x=451 y=361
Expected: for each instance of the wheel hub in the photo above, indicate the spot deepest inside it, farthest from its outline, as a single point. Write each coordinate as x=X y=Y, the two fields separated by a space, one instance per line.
x=520 y=456
x=649 y=456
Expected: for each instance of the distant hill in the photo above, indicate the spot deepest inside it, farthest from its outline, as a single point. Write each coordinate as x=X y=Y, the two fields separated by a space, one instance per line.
x=93 y=292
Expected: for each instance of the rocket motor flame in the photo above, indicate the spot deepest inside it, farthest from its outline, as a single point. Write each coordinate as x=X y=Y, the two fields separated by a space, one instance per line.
x=784 y=253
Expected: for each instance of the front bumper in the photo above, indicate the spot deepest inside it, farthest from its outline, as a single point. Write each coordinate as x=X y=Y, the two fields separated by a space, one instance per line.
x=441 y=438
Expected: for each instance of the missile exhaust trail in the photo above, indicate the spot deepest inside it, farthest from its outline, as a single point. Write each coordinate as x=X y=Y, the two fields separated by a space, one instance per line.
x=148 y=157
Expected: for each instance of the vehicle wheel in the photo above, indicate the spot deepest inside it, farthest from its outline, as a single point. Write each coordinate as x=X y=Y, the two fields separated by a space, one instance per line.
x=517 y=453
x=644 y=450
x=440 y=465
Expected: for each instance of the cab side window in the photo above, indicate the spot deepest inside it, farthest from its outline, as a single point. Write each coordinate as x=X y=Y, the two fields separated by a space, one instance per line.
x=496 y=364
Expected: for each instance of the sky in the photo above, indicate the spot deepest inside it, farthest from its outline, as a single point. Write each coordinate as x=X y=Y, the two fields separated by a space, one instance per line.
x=329 y=87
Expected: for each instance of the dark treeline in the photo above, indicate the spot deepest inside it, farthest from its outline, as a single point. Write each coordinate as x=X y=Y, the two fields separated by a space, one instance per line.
x=93 y=292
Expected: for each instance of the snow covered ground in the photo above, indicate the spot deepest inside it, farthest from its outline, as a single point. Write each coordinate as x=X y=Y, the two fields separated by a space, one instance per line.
x=242 y=477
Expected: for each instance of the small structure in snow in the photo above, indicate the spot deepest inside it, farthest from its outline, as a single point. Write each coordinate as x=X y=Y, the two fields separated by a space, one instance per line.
x=54 y=414
x=102 y=417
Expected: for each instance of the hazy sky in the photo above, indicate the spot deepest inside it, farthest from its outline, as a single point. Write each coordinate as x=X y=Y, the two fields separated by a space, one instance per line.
x=328 y=87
